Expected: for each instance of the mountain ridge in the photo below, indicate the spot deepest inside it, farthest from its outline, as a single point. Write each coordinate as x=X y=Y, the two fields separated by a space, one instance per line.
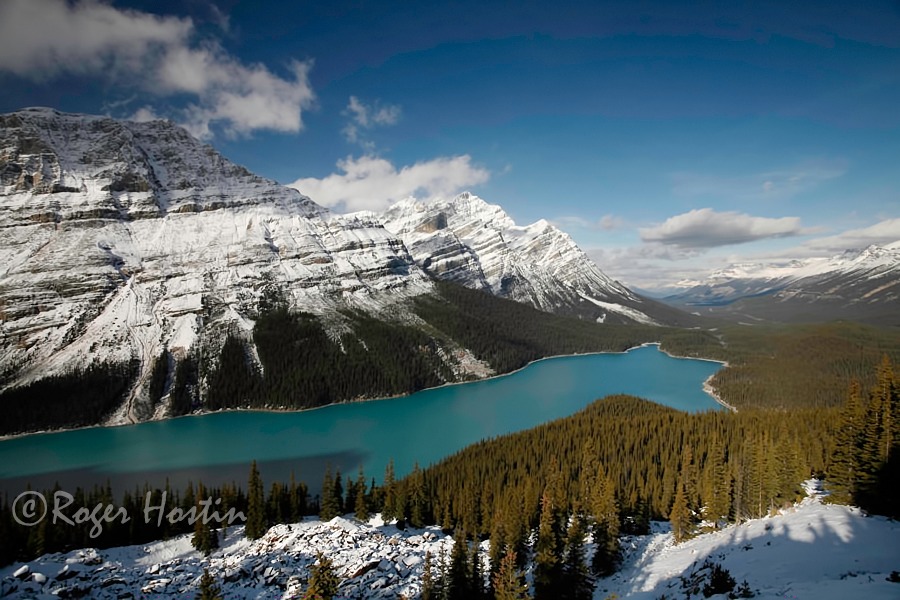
x=135 y=248
x=857 y=284
x=466 y=240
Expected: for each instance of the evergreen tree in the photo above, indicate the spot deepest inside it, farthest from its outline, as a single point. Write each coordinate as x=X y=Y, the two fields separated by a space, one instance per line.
x=476 y=573
x=417 y=497
x=680 y=516
x=323 y=581
x=329 y=507
x=844 y=469
x=205 y=538
x=389 y=511
x=456 y=585
x=547 y=567
x=361 y=504
x=716 y=484
x=209 y=590
x=509 y=582
x=576 y=579
x=339 y=492
x=605 y=515
x=885 y=397
x=428 y=586
x=297 y=494
x=256 y=507
x=498 y=546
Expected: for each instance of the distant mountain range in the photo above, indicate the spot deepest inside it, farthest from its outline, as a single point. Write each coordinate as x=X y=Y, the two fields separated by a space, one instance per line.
x=122 y=241
x=860 y=285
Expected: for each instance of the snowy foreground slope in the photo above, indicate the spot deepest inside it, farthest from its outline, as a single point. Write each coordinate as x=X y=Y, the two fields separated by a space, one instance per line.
x=811 y=550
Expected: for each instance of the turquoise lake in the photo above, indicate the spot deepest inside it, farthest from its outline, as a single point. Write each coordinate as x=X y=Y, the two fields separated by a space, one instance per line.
x=422 y=427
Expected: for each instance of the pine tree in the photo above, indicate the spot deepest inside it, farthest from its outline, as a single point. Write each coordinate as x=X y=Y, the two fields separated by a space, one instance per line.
x=476 y=573
x=329 y=507
x=417 y=497
x=350 y=497
x=680 y=516
x=339 y=492
x=457 y=581
x=605 y=515
x=256 y=507
x=509 y=581
x=885 y=395
x=576 y=579
x=428 y=587
x=323 y=581
x=844 y=471
x=297 y=495
x=389 y=511
x=205 y=538
x=498 y=546
x=716 y=484
x=547 y=567
x=689 y=477
x=869 y=453
x=209 y=590
x=361 y=505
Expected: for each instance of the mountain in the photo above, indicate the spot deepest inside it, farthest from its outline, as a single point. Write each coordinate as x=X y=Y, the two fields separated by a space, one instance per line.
x=119 y=239
x=860 y=285
x=136 y=264
x=468 y=241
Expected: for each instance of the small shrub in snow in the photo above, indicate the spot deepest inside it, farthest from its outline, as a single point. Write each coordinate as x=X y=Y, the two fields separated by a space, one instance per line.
x=742 y=591
x=720 y=581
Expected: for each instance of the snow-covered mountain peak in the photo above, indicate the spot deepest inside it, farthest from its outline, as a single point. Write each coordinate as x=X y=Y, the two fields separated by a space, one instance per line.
x=470 y=241
x=119 y=239
x=141 y=170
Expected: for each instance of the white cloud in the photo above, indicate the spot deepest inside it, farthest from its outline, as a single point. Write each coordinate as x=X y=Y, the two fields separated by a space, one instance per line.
x=41 y=39
x=648 y=266
x=144 y=114
x=883 y=232
x=363 y=117
x=373 y=183
x=706 y=228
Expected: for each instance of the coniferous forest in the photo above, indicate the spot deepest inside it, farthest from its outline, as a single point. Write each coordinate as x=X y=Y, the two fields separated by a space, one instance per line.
x=815 y=400
x=811 y=400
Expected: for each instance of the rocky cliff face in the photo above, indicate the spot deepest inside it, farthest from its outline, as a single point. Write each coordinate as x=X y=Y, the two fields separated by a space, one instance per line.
x=118 y=239
x=476 y=244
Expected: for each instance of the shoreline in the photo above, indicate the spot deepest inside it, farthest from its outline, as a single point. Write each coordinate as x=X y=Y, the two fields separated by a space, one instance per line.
x=707 y=387
x=707 y=383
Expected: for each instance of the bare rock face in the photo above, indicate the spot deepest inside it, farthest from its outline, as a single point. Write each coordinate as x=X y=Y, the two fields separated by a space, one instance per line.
x=119 y=239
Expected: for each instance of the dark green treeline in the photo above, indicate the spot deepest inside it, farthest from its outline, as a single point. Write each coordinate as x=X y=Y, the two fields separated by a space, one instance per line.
x=738 y=465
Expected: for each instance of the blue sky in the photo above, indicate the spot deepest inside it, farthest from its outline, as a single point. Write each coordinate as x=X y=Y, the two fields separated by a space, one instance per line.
x=667 y=138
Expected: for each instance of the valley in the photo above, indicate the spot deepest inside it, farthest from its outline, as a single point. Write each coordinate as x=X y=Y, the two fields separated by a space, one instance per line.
x=181 y=316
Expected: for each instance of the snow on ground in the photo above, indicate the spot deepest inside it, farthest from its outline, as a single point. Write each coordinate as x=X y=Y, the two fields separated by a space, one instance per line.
x=631 y=313
x=812 y=550
x=373 y=560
